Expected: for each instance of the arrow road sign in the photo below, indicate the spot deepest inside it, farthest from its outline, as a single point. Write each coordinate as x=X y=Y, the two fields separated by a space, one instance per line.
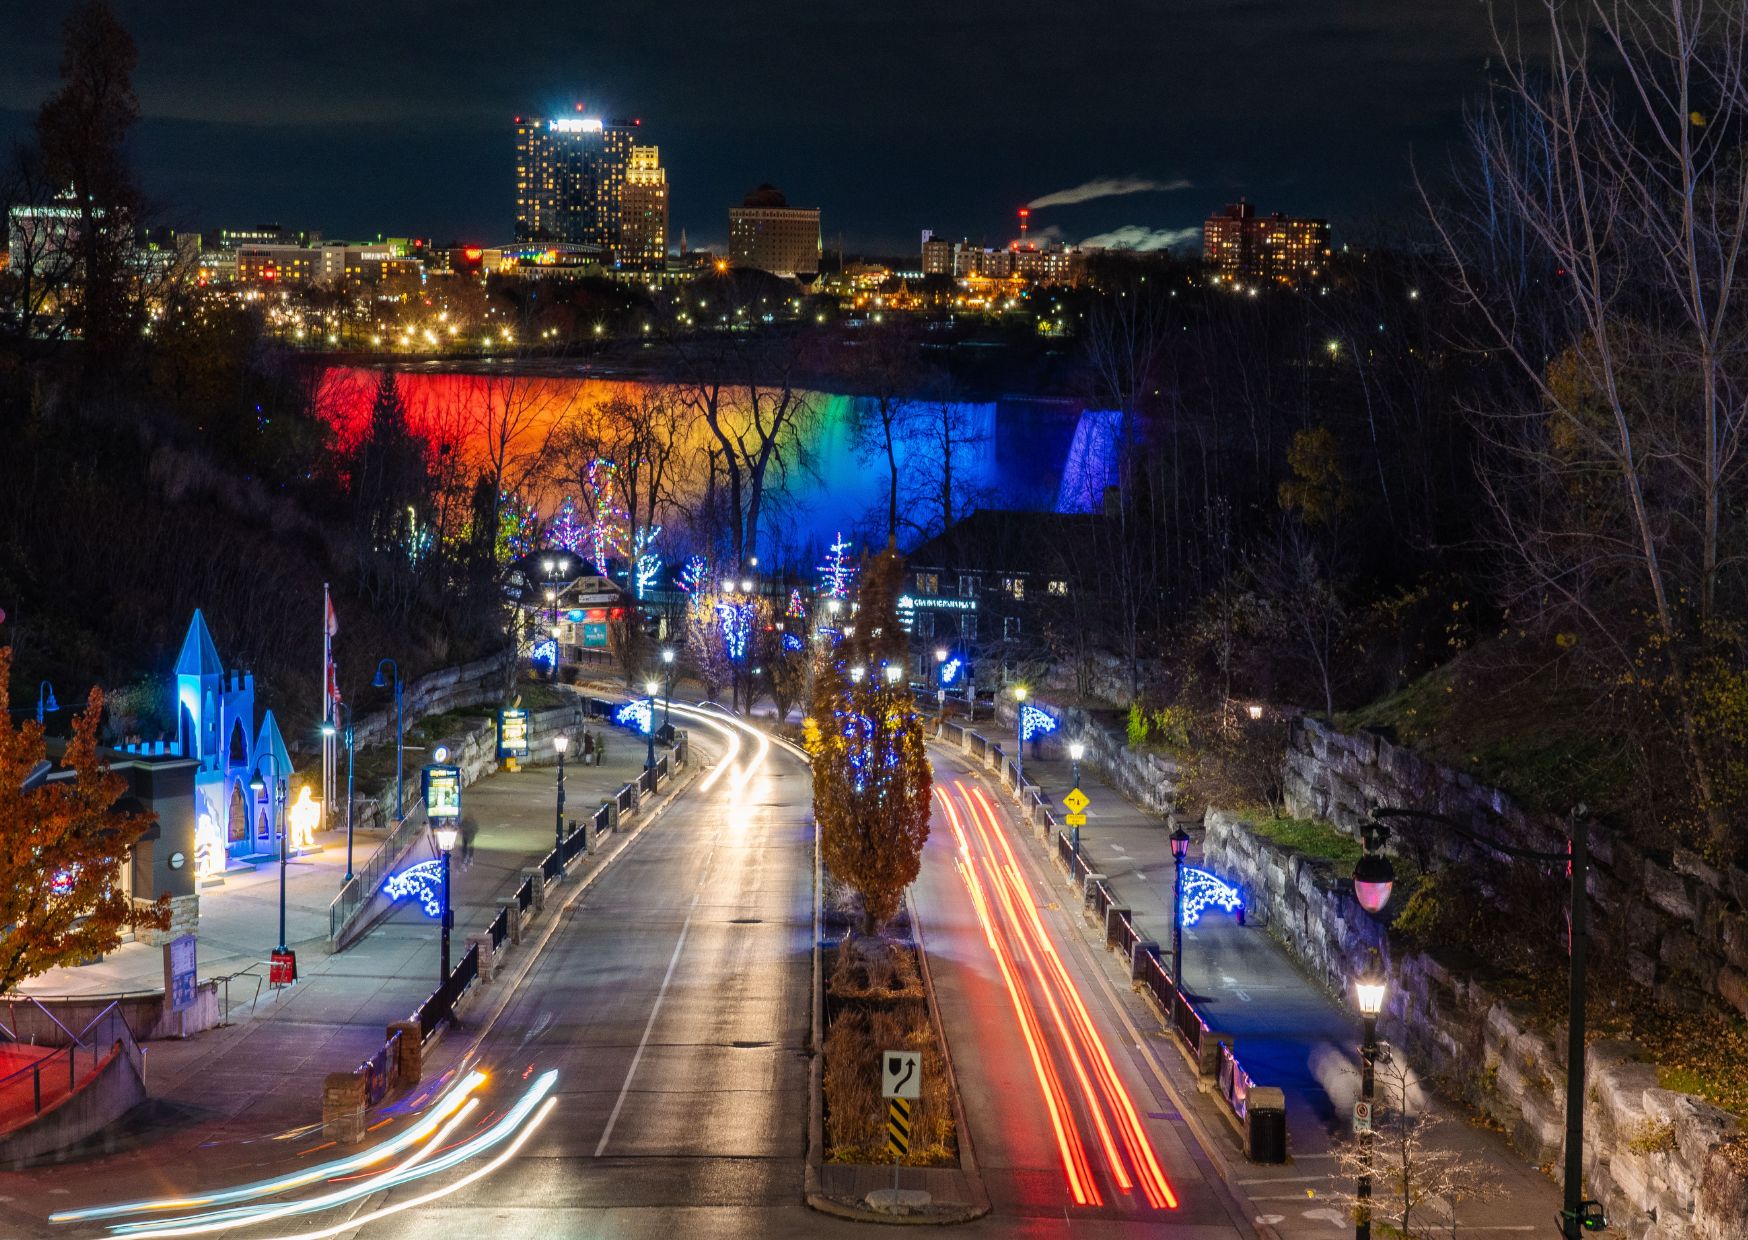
x=901 y=1074
x=1076 y=801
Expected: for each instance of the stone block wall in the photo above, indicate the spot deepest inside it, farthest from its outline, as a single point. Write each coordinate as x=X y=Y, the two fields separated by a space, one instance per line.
x=1676 y=924
x=1651 y=1155
x=1147 y=779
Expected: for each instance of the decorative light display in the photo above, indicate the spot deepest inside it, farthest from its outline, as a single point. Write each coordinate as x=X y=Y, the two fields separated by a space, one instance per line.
x=1034 y=722
x=545 y=651
x=567 y=529
x=1202 y=890
x=602 y=535
x=638 y=715
x=518 y=527
x=423 y=881
x=793 y=643
x=209 y=847
x=838 y=572
x=649 y=564
x=860 y=736
x=736 y=622
x=797 y=610
x=305 y=813
x=950 y=671
x=694 y=575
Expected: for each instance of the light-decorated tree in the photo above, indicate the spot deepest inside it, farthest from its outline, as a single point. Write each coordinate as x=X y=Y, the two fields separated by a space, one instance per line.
x=871 y=787
x=62 y=846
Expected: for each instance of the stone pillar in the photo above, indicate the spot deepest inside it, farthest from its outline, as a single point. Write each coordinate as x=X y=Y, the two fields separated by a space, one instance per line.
x=1138 y=958
x=343 y=1108
x=1089 y=889
x=487 y=959
x=537 y=880
x=1208 y=1061
x=612 y=816
x=409 y=1063
x=1113 y=918
x=512 y=919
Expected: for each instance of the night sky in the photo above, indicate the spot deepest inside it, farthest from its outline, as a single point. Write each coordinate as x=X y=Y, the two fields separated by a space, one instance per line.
x=394 y=118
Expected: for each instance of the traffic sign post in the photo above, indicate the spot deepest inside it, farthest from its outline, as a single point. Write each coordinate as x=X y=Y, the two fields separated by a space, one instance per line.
x=901 y=1081
x=1076 y=820
x=1076 y=802
x=898 y=1133
x=1362 y=1116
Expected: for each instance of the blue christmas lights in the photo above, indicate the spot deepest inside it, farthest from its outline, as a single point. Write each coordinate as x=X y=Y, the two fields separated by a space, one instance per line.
x=694 y=575
x=950 y=671
x=736 y=622
x=1202 y=890
x=792 y=642
x=1034 y=722
x=423 y=881
x=545 y=651
x=838 y=571
x=638 y=714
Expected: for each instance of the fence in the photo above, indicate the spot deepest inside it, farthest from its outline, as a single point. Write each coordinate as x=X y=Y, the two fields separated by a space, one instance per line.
x=54 y=1076
x=440 y=1005
x=1235 y=1082
x=379 y=1070
x=369 y=877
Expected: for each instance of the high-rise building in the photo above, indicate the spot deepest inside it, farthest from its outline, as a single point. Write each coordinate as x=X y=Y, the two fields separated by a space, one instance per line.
x=570 y=178
x=643 y=236
x=1241 y=245
x=767 y=233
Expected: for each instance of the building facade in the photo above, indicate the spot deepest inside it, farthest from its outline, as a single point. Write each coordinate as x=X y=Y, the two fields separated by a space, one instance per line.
x=768 y=234
x=570 y=178
x=1241 y=245
x=643 y=236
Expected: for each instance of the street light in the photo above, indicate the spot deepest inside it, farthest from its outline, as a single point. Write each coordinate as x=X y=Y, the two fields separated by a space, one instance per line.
x=1180 y=848
x=1374 y=878
x=445 y=844
x=893 y=672
x=1020 y=735
x=856 y=674
x=47 y=703
x=560 y=743
x=940 y=685
x=650 y=687
x=277 y=800
x=347 y=734
x=1369 y=991
x=400 y=733
x=668 y=688
x=1077 y=751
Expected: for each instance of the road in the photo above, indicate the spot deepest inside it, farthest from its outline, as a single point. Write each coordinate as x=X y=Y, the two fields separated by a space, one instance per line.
x=647 y=1079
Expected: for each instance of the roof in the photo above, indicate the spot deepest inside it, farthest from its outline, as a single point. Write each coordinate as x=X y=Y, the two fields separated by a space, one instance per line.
x=996 y=540
x=199 y=657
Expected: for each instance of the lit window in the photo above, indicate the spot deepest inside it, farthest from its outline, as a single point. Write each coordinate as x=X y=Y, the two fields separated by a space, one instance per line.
x=1059 y=588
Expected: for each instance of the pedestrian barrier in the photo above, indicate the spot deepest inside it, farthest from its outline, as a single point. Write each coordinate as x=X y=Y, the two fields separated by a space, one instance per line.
x=378 y=1072
x=440 y=1005
x=525 y=895
x=1235 y=1082
x=368 y=878
x=42 y=1083
x=499 y=930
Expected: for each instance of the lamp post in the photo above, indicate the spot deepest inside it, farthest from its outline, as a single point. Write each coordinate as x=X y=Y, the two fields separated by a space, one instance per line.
x=346 y=734
x=276 y=798
x=1369 y=991
x=45 y=700
x=400 y=733
x=1076 y=751
x=1020 y=735
x=445 y=845
x=941 y=685
x=668 y=686
x=1373 y=878
x=650 y=687
x=1180 y=848
x=560 y=743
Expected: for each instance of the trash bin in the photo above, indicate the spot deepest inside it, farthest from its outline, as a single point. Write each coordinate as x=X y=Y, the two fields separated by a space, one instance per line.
x=1265 y=1125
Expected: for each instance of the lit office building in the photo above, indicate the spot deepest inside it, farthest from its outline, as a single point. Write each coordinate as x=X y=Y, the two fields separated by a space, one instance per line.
x=768 y=234
x=570 y=178
x=643 y=232
x=1241 y=245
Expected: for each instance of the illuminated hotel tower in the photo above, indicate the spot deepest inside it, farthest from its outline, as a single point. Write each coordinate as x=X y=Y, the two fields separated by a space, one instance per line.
x=570 y=178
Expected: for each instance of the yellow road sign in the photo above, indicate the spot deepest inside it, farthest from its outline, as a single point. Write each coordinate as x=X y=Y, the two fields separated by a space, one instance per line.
x=1076 y=820
x=898 y=1128
x=1076 y=801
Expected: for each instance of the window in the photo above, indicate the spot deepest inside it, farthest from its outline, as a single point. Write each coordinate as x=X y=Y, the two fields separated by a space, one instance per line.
x=969 y=585
x=968 y=627
x=928 y=583
x=1010 y=626
x=1059 y=589
x=925 y=624
x=1015 y=586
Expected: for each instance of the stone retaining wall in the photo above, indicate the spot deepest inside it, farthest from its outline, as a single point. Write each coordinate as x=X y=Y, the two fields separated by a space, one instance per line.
x=1147 y=779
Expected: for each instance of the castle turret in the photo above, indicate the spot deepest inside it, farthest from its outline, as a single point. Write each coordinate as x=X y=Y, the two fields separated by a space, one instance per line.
x=200 y=687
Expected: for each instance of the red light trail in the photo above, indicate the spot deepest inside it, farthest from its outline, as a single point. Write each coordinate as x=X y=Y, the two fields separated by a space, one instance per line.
x=1034 y=974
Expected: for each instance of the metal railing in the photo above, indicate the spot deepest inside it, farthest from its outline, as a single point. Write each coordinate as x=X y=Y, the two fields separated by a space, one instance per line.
x=1180 y=1013
x=369 y=877
x=56 y=1075
x=551 y=866
x=1234 y=1081
x=379 y=1070
x=525 y=895
x=499 y=930
x=440 y=1005
x=626 y=798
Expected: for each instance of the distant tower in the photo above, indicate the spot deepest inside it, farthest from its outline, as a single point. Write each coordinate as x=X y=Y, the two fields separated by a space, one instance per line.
x=1025 y=222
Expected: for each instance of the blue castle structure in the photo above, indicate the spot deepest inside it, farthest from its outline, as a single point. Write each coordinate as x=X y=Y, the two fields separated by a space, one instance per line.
x=216 y=727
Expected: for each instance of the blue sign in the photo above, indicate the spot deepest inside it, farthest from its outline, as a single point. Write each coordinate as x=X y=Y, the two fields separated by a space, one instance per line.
x=513 y=732
x=595 y=634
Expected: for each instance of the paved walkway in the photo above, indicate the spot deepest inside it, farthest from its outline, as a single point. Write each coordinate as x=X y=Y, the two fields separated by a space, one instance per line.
x=260 y=1076
x=1287 y=1031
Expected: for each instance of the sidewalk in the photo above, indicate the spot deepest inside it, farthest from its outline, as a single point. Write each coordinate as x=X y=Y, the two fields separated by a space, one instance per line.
x=1287 y=1031
x=261 y=1075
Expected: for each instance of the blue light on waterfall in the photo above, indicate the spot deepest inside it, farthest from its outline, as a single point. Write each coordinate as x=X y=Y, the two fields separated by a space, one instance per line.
x=1091 y=464
x=1202 y=890
x=423 y=881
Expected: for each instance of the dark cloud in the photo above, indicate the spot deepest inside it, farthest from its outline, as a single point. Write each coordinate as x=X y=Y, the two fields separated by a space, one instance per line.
x=393 y=117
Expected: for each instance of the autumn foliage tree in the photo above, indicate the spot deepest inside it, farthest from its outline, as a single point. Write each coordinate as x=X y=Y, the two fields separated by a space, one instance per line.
x=62 y=846
x=871 y=788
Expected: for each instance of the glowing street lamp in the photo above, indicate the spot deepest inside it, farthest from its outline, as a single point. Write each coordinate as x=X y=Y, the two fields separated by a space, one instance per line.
x=45 y=700
x=446 y=834
x=1020 y=735
x=856 y=674
x=650 y=687
x=1180 y=848
x=668 y=684
x=560 y=743
x=1369 y=990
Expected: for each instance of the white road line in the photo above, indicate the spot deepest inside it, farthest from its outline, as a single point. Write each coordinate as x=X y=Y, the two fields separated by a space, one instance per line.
x=625 y=1089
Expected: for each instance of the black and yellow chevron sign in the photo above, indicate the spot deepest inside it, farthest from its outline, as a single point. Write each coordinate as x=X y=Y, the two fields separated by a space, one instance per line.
x=898 y=1127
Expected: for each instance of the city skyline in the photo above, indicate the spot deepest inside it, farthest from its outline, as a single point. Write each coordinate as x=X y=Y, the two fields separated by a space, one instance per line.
x=411 y=140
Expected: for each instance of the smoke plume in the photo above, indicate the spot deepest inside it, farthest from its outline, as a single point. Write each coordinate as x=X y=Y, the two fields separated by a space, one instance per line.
x=1106 y=187
x=1142 y=238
